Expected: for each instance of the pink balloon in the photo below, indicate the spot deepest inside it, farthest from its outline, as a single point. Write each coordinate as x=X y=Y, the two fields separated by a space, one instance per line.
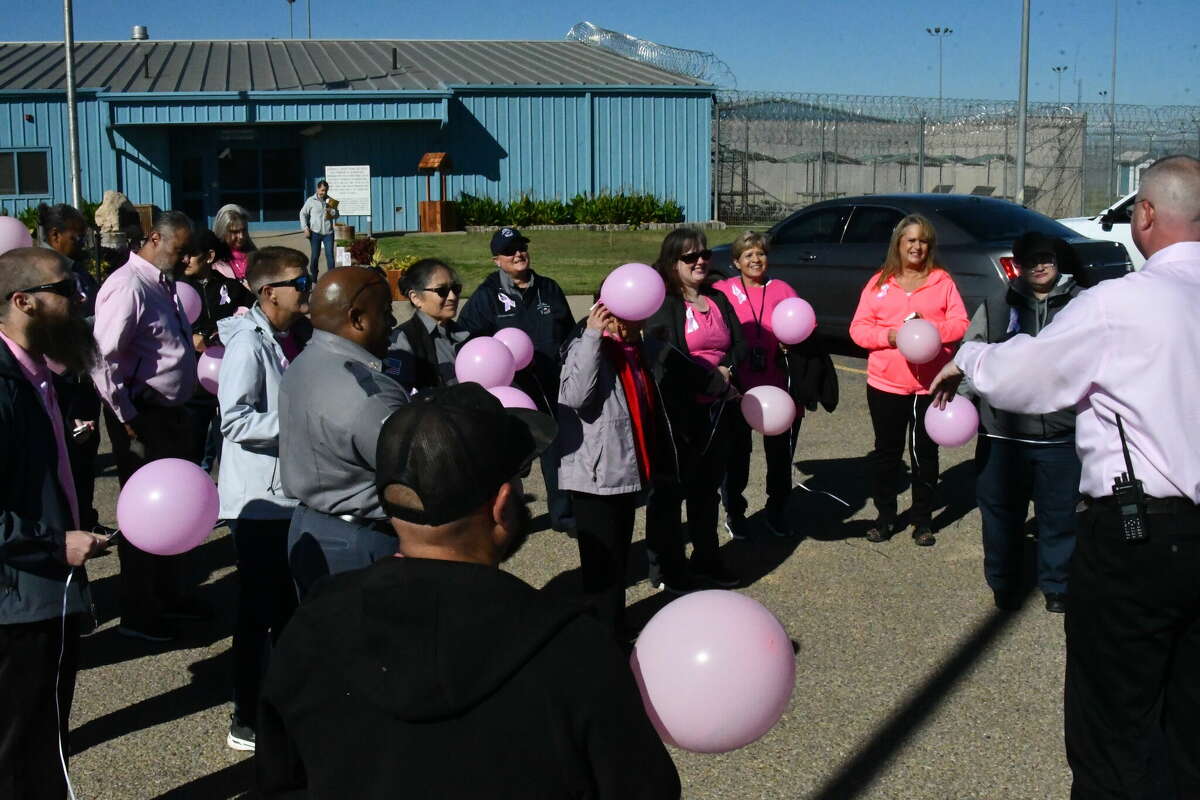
x=768 y=409
x=189 y=298
x=519 y=344
x=919 y=341
x=715 y=669
x=953 y=426
x=13 y=234
x=485 y=361
x=208 y=367
x=633 y=292
x=512 y=397
x=793 y=320
x=168 y=507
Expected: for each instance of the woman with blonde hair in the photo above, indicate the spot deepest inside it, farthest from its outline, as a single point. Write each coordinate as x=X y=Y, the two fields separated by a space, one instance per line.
x=909 y=285
x=232 y=226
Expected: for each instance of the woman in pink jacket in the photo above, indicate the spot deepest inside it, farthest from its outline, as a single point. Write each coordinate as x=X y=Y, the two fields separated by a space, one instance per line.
x=910 y=284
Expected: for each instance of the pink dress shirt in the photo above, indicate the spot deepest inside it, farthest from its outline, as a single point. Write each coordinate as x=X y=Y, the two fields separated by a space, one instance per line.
x=1129 y=346
x=37 y=372
x=145 y=340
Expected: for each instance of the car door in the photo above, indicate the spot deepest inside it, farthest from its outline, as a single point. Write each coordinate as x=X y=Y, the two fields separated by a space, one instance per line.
x=864 y=247
x=804 y=252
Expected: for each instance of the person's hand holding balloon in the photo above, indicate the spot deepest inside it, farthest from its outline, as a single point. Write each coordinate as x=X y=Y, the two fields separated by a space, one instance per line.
x=599 y=316
x=945 y=385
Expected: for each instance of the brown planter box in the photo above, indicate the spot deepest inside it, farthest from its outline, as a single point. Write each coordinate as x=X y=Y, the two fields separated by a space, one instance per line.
x=393 y=278
x=438 y=216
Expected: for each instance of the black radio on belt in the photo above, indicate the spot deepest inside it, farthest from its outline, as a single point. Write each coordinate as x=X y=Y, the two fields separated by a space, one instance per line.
x=1130 y=499
x=758 y=359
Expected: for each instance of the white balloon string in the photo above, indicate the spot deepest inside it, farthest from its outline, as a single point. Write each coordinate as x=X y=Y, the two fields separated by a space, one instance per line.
x=827 y=494
x=62 y=647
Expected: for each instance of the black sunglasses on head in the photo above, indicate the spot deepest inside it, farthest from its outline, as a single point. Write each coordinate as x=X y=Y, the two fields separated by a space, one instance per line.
x=692 y=258
x=67 y=288
x=301 y=283
x=444 y=291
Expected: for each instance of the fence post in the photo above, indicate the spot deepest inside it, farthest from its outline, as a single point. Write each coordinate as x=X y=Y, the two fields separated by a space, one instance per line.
x=716 y=168
x=921 y=153
x=821 y=162
x=1083 y=165
x=1004 y=164
x=836 y=157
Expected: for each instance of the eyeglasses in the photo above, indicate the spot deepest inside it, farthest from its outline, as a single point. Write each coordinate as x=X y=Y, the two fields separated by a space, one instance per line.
x=444 y=291
x=301 y=283
x=67 y=288
x=512 y=251
x=692 y=258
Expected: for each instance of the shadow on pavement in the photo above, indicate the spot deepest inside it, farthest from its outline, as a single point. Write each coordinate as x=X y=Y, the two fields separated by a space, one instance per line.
x=236 y=780
x=957 y=491
x=857 y=774
x=832 y=491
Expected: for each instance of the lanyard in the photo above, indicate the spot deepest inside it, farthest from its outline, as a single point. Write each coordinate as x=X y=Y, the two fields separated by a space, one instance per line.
x=750 y=302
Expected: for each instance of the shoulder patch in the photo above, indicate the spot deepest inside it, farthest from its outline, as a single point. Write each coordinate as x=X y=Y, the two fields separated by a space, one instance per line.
x=363 y=377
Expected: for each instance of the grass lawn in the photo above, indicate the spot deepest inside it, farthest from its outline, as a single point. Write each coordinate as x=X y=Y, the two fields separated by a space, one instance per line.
x=578 y=260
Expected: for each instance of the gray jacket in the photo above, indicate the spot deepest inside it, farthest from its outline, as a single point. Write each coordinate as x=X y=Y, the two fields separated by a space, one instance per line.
x=312 y=216
x=1003 y=315
x=333 y=400
x=248 y=393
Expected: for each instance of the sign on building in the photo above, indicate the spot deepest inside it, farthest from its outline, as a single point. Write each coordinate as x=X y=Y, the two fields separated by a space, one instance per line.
x=351 y=187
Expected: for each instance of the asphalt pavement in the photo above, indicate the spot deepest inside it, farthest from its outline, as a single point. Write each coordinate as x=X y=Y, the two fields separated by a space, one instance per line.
x=909 y=684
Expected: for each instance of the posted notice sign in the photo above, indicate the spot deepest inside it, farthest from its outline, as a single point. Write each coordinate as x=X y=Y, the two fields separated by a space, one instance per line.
x=351 y=187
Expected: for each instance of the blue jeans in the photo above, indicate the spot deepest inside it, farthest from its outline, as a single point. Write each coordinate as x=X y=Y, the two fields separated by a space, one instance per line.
x=315 y=240
x=1009 y=475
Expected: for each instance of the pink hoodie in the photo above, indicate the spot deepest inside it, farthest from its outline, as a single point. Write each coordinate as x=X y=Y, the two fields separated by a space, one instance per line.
x=885 y=309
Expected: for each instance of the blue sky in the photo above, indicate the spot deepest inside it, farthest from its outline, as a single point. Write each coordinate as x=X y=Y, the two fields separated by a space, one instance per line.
x=842 y=46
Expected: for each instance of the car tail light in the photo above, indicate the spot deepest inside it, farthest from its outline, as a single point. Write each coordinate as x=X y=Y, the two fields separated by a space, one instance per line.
x=1009 y=265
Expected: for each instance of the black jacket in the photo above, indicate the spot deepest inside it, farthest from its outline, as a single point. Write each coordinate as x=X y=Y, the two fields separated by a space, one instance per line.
x=541 y=311
x=999 y=318
x=218 y=304
x=812 y=378
x=436 y=679
x=34 y=514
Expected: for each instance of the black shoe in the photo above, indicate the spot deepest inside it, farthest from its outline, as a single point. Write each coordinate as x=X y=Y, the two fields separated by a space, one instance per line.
x=157 y=632
x=777 y=523
x=677 y=584
x=241 y=736
x=881 y=530
x=1056 y=603
x=715 y=573
x=1006 y=601
x=737 y=527
x=923 y=536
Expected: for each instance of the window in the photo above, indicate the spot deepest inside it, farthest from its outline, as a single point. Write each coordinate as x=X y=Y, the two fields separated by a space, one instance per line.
x=24 y=172
x=818 y=227
x=872 y=225
x=1000 y=222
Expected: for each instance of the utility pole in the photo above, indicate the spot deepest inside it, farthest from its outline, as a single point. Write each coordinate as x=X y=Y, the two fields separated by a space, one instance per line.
x=72 y=112
x=1022 y=103
x=291 y=28
x=309 y=3
x=1059 y=70
x=939 y=33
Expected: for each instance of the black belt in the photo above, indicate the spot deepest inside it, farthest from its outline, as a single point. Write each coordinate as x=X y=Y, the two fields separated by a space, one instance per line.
x=1154 y=505
x=377 y=525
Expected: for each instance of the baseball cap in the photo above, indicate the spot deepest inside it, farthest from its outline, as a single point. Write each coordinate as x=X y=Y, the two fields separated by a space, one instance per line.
x=1030 y=244
x=507 y=241
x=450 y=449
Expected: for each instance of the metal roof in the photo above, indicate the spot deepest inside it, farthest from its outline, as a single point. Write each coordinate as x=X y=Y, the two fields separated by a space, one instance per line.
x=315 y=65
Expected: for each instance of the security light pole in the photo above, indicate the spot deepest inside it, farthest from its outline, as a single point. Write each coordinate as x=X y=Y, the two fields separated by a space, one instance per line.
x=1059 y=70
x=72 y=114
x=939 y=33
x=1022 y=104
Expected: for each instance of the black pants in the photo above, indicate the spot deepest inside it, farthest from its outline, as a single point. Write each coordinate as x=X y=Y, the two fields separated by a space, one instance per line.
x=83 y=473
x=604 y=531
x=778 y=451
x=899 y=420
x=703 y=462
x=266 y=600
x=1132 y=699
x=1009 y=475
x=29 y=723
x=203 y=416
x=150 y=584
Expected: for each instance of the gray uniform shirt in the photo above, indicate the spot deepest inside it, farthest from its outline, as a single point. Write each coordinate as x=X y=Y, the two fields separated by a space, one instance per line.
x=333 y=400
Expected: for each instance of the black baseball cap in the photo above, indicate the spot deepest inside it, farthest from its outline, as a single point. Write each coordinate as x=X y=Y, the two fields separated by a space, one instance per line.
x=450 y=449
x=1030 y=244
x=507 y=241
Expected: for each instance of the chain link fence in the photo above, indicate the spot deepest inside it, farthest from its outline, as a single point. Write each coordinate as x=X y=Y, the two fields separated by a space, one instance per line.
x=776 y=153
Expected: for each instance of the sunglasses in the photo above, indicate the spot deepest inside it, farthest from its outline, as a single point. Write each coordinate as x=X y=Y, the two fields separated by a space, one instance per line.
x=301 y=283
x=444 y=291
x=692 y=258
x=67 y=288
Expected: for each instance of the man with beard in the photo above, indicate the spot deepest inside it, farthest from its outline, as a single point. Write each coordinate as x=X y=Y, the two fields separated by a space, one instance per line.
x=442 y=675
x=44 y=597
x=146 y=372
x=333 y=400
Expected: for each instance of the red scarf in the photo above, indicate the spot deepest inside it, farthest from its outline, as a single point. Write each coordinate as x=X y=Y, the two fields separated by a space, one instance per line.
x=635 y=381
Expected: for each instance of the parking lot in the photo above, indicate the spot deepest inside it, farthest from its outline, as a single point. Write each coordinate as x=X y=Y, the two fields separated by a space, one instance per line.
x=908 y=683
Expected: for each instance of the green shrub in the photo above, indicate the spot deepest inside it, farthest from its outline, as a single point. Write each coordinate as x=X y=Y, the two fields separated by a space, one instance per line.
x=605 y=208
x=29 y=218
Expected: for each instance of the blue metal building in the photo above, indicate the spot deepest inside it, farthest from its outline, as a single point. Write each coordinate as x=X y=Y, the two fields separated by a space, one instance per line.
x=195 y=125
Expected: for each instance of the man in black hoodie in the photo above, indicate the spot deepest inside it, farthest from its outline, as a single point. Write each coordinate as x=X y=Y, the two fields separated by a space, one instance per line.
x=437 y=675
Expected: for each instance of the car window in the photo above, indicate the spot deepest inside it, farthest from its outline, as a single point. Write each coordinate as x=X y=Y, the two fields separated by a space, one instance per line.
x=871 y=225
x=1001 y=222
x=823 y=226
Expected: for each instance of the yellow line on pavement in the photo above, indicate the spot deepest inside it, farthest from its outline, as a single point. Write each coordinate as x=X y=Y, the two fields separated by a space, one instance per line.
x=850 y=369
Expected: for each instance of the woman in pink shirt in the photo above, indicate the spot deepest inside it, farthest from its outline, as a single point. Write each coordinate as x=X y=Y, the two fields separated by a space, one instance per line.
x=232 y=226
x=754 y=297
x=697 y=324
x=910 y=284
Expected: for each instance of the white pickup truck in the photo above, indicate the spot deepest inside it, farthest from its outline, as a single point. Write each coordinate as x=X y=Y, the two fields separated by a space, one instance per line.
x=1112 y=225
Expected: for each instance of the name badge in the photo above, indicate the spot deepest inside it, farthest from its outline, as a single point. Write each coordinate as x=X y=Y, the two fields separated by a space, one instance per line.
x=543 y=309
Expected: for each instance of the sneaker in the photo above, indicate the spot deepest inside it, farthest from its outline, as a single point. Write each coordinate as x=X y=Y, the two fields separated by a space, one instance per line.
x=241 y=735
x=923 y=536
x=737 y=527
x=716 y=573
x=149 y=632
x=677 y=585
